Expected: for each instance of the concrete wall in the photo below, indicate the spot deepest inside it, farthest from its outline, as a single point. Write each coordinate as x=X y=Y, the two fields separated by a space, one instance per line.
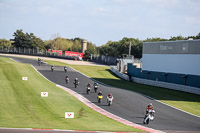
x=116 y=72
x=172 y=86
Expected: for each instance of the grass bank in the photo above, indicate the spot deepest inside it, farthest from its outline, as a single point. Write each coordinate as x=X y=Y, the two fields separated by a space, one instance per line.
x=21 y=105
x=182 y=100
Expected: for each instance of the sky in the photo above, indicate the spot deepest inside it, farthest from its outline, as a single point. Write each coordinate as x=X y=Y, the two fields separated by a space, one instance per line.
x=100 y=21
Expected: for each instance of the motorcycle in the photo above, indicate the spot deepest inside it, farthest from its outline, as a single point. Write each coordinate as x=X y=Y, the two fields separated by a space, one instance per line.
x=149 y=117
x=39 y=62
x=88 y=90
x=67 y=80
x=95 y=88
x=76 y=84
x=65 y=69
x=100 y=97
x=109 y=100
x=52 y=68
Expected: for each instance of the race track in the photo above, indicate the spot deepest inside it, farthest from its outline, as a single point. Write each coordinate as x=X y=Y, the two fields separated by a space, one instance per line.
x=127 y=104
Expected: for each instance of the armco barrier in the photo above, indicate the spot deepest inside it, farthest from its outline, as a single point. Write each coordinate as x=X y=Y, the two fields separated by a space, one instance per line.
x=121 y=75
x=172 y=86
x=174 y=78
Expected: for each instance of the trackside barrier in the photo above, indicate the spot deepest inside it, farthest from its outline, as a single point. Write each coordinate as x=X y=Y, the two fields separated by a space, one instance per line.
x=121 y=75
x=172 y=86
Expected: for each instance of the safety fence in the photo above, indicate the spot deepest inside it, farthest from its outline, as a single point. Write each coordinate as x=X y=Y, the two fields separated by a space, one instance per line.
x=36 y=52
x=109 y=60
x=172 y=86
x=184 y=82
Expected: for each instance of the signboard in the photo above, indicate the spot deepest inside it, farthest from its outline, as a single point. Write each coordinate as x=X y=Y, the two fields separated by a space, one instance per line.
x=24 y=78
x=44 y=94
x=69 y=114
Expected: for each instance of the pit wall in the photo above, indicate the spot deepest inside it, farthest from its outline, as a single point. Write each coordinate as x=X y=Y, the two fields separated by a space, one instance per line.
x=114 y=70
x=181 y=82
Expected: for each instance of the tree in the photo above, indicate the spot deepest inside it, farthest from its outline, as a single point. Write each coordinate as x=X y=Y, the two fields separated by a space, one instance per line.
x=87 y=54
x=58 y=44
x=155 y=39
x=76 y=47
x=19 y=40
x=118 y=48
x=27 y=40
x=92 y=48
x=177 y=38
x=5 y=43
x=197 y=36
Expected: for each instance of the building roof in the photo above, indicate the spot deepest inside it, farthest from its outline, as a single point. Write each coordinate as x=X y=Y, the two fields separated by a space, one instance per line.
x=172 y=47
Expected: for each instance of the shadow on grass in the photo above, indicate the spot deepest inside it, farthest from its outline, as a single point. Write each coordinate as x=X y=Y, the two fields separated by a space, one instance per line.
x=152 y=91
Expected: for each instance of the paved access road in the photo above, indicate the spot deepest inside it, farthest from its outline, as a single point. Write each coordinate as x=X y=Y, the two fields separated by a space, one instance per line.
x=127 y=104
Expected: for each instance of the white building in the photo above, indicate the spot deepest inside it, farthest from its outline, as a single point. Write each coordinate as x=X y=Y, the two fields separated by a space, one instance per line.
x=172 y=56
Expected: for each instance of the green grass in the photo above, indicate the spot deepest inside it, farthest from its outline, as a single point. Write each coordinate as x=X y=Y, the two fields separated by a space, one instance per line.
x=182 y=100
x=22 y=107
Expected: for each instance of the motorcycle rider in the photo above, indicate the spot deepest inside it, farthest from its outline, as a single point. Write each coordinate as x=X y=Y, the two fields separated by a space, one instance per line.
x=95 y=87
x=149 y=107
x=67 y=79
x=39 y=61
x=88 y=88
x=89 y=85
x=76 y=81
x=52 y=68
x=65 y=68
x=95 y=84
x=149 y=114
x=110 y=97
x=100 y=93
x=100 y=96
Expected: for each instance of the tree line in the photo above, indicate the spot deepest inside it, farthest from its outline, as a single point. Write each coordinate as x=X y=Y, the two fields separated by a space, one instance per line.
x=111 y=48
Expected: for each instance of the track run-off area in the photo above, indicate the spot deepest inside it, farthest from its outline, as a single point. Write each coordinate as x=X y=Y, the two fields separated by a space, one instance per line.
x=127 y=104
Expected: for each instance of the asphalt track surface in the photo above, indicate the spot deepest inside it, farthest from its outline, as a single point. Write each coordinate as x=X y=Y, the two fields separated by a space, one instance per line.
x=126 y=104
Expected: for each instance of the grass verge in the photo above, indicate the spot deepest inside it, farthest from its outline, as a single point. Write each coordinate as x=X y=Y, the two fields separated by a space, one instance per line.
x=21 y=105
x=182 y=100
